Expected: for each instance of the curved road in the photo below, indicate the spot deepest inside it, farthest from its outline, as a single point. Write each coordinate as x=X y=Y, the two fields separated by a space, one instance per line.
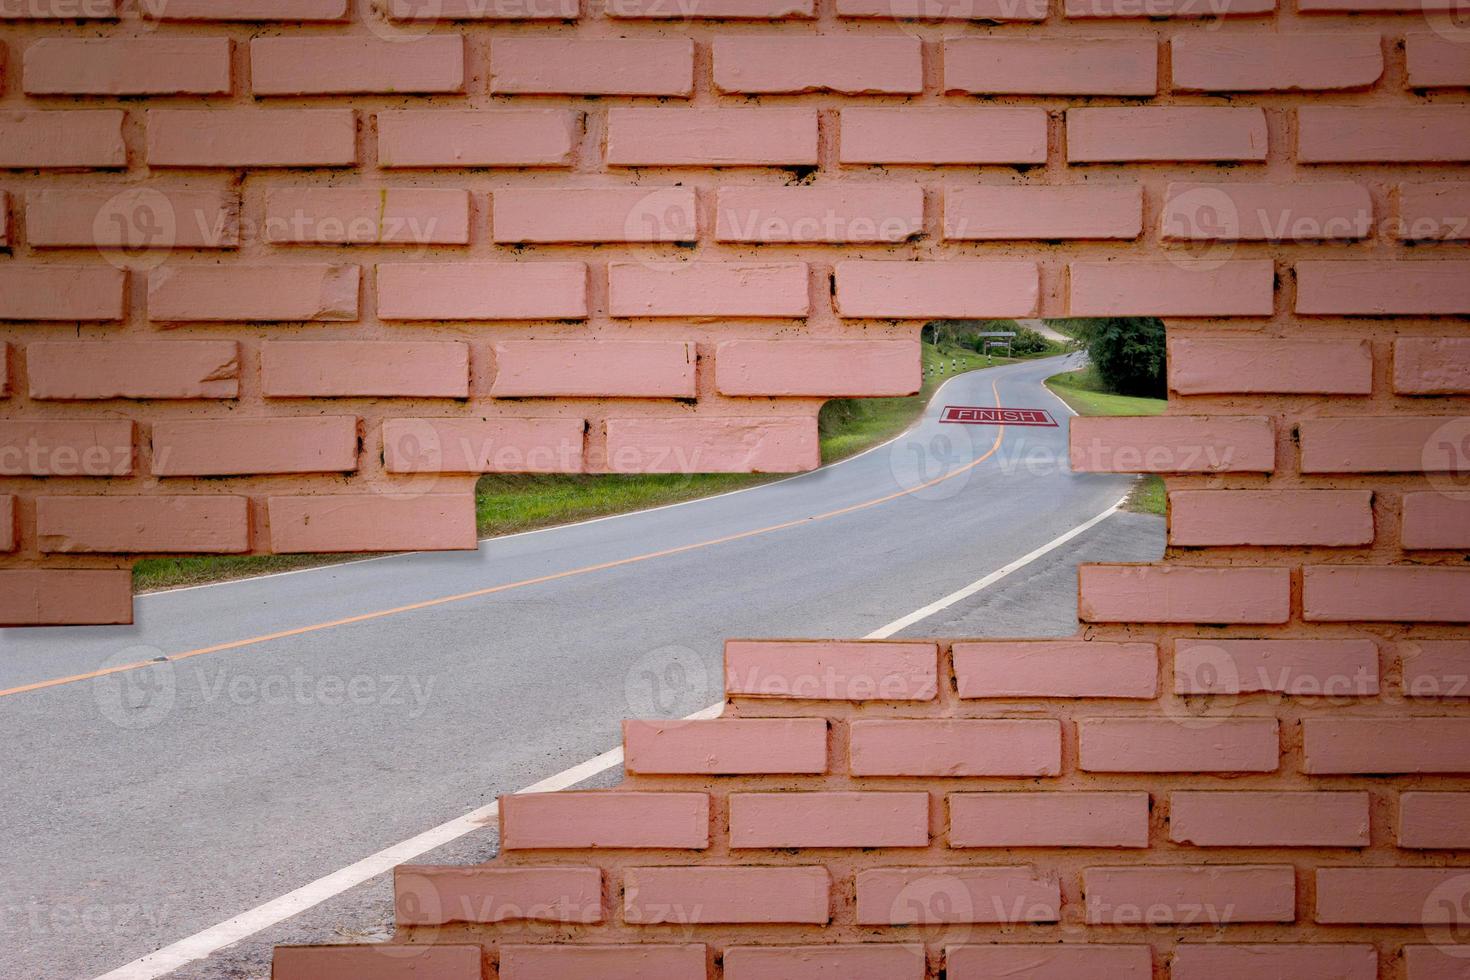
x=308 y=719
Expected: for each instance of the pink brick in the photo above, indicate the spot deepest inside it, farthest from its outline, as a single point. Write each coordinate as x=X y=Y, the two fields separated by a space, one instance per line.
x=63 y=447
x=861 y=961
x=1005 y=212
x=1056 y=669
x=1274 y=961
x=1189 y=895
x=796 y=368
x=74 y=139
x=150 y=216
x=708 y=289
x=1337 y=746
x=665 y=137
x=1434 y=820
x=1225 y=819
x=418 y=138
x=594 y=369
x=377 y=960
x=367 y=216
x=356 y=65
x=1402 y=134
x=1436 y=62
x=248 y=10
x=844 y=213
x=65 y=597
x=945 y=10
x=58 y=10
x=1419 y=594
x=1165 y=134
x=1183 y=594
x=9 y=536
x=1173 y=444
x=1435 y=520
x=238 y=138
x=5 y=230
x=364 y=522
x=211 y=524
x=1055 y=961
x=652 y=214
x=418 y=10
x=868 y=819
x=1296 y=212
x=1031 y=819
x=365 y=368
x=1270 y=518
x=61 y=293
x=77 y=370
x=1443 y=961
x=1023 y=66
x=765 y=444
x=1392 y=896
x=641 y=961
x=1167 y=745
x=956 y=747
x=475 y=445
x=1302 y=668
x=483 y=291
x=1276 y=62
x=988 y=134
x=1404 y=444
x=1434 y=212
x=726 y=746
x=939 y=895
x=430 y=896
x=849 y=64
x=714 y=895
x=924 y=290
x=832 y=670
x=263 y=293
x=1437 y=669
x=1154 y=9
x=1382 y=288
x=599 y=819
x=621 y=66
x=1207 y=366
x=128 y=66
x=236 y=447
x=1431 y=366
x=710 y=9
x=1171 y=289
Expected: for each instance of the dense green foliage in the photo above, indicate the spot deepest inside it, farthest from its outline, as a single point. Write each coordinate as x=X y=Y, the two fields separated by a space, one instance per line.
x=1128 y=352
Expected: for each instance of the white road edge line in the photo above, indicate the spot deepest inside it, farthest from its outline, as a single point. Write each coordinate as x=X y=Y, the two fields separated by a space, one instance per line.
x=202 y=944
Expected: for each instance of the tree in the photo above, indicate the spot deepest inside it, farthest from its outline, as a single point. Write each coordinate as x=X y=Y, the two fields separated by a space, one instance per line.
x=1128 y=353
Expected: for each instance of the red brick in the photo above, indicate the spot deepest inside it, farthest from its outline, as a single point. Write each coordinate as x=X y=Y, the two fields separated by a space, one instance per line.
x=1154 y=9
x=945 y=10
x=248 y=10
x=236 y=447
x=146 y=216
x=77 y=370
x=594 y=369
x=1434 y=212
x=65 y=596
x=5 y=230
x=1302 y=668
x=1270 y=518
x=601 y=819
x=1436 y=62
x=1024 y=66
x=1002 y=212
x=58 y=10
x=1404 y=444
x=417 y=138
x=832 y=368
x=840 y=214
x=1190 y=895
x=61 y=292
x=63 y=447
x=377 y=960
x=1208 y=366
x=1225 y=819
x=1410 y=593
x=127 y=66
x=1123 y=134
x=708 y=289
x=417 y=10
x=263 y=293
x=365 y=368
x=715 y=895
x=618 y=66
x=710 y=9
x=832 y=670
x=1382 y=288
x=1391 y=896
x=849 y=64
x=362 y=522
x=1343 y=746
x=1056 y=961
x=1171 y=288
x=1434 y=820
x=238 y=138
x=924 y=290
x=1173 y=444
x=987 y=134
x=195 y=524
x=957 y=747
x=869 y=819
x=1401 y=134
x=74 y=139
x=430 y=896
x=764 y=444
x=1056 y=669
x=483 y=291
x=475 y=445
x=652 y=214
x=1296 y=212
x=1275 y=62
x=1436 y=520
x=9 y=535
x=1443 y=961
x=1437 y=669
x=1169 y=745
x=726 y=746
x=1311 y=961
x=367 y=216
x=1183 y=594
x=356 y=65
x=938 y=895
x=1431 y=366
x=585 y=962
x=860 y=961
x=678 y=137
x=1030 y=819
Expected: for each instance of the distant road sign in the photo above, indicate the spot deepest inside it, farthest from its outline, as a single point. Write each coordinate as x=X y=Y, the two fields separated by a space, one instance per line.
x=966 y=415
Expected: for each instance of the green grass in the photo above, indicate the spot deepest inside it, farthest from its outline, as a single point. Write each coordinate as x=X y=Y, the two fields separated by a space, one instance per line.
x=1085 y=392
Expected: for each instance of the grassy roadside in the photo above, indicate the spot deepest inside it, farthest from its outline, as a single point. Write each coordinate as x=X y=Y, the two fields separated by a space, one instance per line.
x=1084 y=391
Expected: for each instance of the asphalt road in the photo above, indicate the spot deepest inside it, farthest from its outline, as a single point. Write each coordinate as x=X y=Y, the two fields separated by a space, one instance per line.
x=141 y=807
